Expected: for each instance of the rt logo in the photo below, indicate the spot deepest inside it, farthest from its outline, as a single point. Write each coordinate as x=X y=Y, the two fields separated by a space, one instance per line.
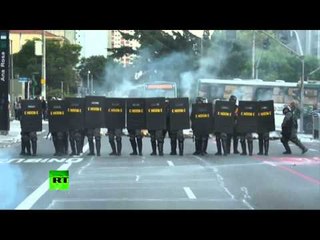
x=58 y=180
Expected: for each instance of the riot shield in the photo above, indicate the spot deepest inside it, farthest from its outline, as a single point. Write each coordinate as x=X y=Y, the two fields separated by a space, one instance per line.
x=136 y=115
x=155 y=113
x=75 y=113
x=247 y=117
x=31 y=118
x=114 y=113
x=224 y=117
x=179 y=113
x=265 y=111
x=57 y=116
x=94 y=112
x=202 y=118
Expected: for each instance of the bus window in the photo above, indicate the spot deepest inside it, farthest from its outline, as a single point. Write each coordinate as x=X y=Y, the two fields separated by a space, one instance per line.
x=263 y=94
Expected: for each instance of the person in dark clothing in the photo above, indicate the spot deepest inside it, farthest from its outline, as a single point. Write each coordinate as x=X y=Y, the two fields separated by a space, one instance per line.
x=234 y=136
x=93 y=132
x=289 y=132
x=135 y=137
x=115 y=134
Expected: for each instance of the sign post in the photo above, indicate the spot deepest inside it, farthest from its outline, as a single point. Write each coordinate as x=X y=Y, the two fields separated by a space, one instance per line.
x=4 y=80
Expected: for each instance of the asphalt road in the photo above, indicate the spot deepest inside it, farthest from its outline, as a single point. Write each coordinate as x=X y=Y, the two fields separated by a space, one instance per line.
x=170 y=182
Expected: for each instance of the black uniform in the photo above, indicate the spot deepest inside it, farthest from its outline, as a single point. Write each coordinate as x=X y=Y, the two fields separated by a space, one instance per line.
x=115 y=134
x=201 y=133
x=94 y=132
x=234 y=136
x=135 y=136
x=157 y=139
x=289 y=132
x=30 y=122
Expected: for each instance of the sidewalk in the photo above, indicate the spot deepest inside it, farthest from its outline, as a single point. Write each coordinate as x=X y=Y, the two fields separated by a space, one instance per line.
x=14 y=134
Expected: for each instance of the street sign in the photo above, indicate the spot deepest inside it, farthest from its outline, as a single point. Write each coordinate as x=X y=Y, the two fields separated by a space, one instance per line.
x=23 y=79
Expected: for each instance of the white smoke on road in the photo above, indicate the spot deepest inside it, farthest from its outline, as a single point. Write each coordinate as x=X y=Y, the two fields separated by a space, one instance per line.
x=10 y=181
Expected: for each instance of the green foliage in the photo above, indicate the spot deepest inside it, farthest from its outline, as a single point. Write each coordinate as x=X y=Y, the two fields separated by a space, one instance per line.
x=97 y=67
x=61 y=60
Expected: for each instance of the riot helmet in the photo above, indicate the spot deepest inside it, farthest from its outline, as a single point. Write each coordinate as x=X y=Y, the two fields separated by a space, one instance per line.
x=233 y=98
x=285 y=110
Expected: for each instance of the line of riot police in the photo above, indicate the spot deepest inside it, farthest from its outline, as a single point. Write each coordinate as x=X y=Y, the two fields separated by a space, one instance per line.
x=74 y=118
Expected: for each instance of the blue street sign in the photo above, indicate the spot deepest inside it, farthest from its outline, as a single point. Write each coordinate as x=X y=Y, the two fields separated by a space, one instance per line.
x=23 y=79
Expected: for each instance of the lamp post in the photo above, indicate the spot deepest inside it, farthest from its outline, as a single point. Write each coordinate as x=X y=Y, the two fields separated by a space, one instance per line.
x=43 y=72
x=88 y=82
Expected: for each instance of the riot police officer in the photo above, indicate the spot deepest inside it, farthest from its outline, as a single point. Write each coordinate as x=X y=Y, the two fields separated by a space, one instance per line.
x=93 y=133
x=115 y=134
x=75 y=136
x=157 y=139
x=201 y=140
x=25 y=144
x=135 y=137
x=234 y=136
x=289 y=131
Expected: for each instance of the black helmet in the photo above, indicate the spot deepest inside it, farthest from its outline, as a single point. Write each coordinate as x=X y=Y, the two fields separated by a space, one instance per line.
x=285 y=110
x=201 y=100
x=233 y=98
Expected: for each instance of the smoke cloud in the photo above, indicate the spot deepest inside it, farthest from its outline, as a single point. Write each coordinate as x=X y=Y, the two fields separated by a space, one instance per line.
x=10 y=180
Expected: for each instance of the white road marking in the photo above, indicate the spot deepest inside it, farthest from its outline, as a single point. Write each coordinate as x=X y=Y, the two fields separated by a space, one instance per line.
x=247 y=204
x=189 y=193
x=87 y=165
x=170 y=163
x=246 y=196
x=313 y=150
x=137 y=178
x=29 y=201
x=269 y=163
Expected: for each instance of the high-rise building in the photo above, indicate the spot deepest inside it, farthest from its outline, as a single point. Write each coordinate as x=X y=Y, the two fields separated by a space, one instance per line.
x=70 y=35
x=115 y=40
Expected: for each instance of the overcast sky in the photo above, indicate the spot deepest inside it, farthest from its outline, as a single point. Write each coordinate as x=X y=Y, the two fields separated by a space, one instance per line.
x=94 y=42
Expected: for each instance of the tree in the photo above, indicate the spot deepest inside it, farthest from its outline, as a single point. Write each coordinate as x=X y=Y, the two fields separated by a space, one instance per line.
x=61 y=60
x=97 y=67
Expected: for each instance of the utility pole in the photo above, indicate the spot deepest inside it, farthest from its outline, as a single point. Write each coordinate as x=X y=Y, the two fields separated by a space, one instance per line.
x=299 y=55
x=43 y=72
x=88 y=83
x=91 y=84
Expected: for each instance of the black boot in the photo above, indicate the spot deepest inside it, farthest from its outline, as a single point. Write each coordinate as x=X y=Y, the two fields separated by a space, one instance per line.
x=286 y=147
x=139 y=141
x=228 y=144
x=134 y=147
x=250 y=147
x=154 y=148
x=218 y=140
x=23 y=148
x=173 y=147
x=98 y=146
x=235 y=145
x=224 y=147
x=119 y=147
x=266 y=147
x=34 y=147
x=197 y=144
x=113 y=147
x=205 y=146
x=160 y=148
x=73 y=147
x=91 y=148
x=78 y=147
x=181 y=148
x=243 y=147
x=260 y=147
x=28 y=148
